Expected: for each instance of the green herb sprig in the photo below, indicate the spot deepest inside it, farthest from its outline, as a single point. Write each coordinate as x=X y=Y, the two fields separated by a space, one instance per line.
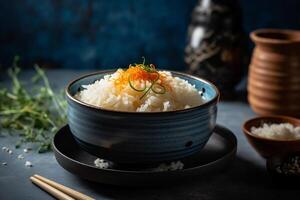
x=154 y=85
x=34 y=114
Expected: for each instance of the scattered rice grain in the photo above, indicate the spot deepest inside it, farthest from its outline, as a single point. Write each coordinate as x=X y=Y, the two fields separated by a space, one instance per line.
x=20 y=157
x=28 y=164
x=26 y=150
x=101 y=163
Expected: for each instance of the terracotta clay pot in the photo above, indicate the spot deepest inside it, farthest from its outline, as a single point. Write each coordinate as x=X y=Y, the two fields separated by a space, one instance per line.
x=274 y=72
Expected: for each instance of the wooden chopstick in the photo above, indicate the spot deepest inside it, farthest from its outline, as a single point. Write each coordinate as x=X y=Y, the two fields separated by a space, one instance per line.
x=56 y=193
x=65 y=190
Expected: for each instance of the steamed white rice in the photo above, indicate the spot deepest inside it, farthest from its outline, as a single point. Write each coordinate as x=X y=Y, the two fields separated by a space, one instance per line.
x=104 y=94
x=283 y=131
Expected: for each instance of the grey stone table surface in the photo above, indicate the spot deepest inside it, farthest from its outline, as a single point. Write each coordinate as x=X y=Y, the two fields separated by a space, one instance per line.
x=246 y=178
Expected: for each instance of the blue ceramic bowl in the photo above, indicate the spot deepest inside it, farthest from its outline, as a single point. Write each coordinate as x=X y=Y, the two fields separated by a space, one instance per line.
x=142 y=137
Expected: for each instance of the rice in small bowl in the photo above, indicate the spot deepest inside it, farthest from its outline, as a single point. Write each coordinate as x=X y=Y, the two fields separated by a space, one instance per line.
x=139 y=117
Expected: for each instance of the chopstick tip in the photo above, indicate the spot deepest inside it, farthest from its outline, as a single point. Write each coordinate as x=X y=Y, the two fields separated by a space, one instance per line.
x=32 y=178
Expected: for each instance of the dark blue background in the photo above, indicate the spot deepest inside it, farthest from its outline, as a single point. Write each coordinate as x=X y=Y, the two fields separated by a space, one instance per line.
x=110 y=33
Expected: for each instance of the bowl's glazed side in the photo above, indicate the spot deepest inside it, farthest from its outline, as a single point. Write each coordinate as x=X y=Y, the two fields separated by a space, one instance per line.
x=269 y=148
x=274 y=75
x=142 y=137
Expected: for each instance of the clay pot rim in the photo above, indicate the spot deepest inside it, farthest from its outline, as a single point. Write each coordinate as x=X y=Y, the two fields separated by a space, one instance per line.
x=285 y=36
x=285 y=119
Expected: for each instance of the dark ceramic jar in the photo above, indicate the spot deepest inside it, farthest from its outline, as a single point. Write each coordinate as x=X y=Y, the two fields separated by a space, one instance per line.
x=215 y=43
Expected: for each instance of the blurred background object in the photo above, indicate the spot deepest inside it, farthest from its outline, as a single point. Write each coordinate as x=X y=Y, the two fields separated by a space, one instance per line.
x=216 y=43
x=274 y=72
x=92 y=34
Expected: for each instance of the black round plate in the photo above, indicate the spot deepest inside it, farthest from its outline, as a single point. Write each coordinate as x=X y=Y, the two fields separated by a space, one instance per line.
x=216 y=155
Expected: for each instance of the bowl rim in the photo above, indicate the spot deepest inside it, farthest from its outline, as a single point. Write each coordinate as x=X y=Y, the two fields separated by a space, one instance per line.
x=266 y=117
x=213 y=100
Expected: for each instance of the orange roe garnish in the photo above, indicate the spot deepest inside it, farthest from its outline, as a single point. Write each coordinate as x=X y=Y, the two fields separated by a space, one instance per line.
x=141 y=73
